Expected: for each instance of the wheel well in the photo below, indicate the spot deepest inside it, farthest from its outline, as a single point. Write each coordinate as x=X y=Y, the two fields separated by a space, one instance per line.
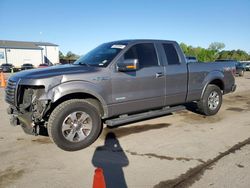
x=77 y=96
x=218 y=83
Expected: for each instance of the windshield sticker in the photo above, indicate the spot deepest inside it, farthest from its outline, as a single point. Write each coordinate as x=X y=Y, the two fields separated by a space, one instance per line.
x=104 y=61
x=120 y=46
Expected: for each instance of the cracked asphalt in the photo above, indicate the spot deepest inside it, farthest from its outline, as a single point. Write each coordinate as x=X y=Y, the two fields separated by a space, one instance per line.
x=183 y=149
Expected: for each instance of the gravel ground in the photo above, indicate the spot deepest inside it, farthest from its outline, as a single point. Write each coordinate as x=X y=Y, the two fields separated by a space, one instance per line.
x=183 y=149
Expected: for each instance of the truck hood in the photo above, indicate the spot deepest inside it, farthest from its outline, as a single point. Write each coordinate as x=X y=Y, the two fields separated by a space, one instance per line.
x=53 y=71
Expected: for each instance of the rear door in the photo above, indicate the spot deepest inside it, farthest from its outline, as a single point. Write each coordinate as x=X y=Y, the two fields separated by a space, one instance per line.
x=175 y=74
x=142 y=89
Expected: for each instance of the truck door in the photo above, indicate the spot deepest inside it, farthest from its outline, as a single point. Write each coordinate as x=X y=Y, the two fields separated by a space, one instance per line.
x=175 y=74
x=141 y=89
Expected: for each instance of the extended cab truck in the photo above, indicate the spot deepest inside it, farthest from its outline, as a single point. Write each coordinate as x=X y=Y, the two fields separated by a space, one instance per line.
x=116 y=83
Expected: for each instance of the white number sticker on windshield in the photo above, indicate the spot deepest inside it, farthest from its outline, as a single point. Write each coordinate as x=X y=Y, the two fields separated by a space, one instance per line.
x=120 y=46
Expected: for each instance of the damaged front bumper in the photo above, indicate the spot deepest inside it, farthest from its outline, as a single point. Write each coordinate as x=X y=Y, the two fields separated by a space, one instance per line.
x=29 y=101
x=30 y=111
x=25 y=120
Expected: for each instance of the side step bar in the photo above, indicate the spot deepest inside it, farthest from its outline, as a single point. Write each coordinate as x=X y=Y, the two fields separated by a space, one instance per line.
x=142 y=116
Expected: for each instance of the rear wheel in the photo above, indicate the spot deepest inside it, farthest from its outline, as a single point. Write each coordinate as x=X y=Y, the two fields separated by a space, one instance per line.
x=74 y=124
x=211 y=100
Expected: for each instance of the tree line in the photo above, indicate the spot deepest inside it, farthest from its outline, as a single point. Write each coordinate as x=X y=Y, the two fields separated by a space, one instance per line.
x=70 y=57
x=213 y=52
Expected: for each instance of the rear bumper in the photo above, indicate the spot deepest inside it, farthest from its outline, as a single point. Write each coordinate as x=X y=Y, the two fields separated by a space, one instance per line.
x=231 y=89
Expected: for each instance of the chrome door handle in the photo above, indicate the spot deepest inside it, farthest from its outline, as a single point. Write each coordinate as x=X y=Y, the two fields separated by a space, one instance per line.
x=158 y=74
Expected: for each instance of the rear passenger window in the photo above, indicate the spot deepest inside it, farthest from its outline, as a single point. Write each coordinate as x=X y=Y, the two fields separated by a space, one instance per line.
x=171 y=54
x=145 y=53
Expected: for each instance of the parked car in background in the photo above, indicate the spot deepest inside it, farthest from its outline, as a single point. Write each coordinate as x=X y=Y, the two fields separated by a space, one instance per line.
x=191 y=59
x=240 y=68
x=27 y=66
x=56 y=64
x=43 y=65
x=247 y=66
x=6 y=67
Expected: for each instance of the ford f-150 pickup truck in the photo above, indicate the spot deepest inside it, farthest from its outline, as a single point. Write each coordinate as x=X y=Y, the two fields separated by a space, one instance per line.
x=116 y=83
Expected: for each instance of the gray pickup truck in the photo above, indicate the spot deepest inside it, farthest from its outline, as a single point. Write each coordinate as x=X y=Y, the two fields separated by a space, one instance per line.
x=116 y=83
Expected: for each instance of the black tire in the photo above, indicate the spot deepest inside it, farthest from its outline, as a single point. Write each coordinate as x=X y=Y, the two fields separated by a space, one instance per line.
x=203 y=104
x=58 y=116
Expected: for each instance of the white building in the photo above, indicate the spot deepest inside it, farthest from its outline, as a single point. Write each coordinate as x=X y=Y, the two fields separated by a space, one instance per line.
x=19 y=52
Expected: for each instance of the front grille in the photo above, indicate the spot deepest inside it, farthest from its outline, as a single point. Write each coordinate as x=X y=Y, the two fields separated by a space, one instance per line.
x=10 y=92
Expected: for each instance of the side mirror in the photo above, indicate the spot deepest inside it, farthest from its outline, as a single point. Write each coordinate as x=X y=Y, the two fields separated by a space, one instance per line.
x=128 y=65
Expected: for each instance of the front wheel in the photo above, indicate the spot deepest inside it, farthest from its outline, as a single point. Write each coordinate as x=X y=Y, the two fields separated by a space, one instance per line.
x=211 y=101
x=74 y=124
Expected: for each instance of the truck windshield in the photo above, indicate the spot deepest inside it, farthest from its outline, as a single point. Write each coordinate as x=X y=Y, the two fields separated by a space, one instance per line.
x=101 y=56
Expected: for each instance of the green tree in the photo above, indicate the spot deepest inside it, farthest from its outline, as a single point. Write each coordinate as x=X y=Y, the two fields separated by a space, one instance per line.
x=184 y=48
x=216 y=46
x=71 y=56
x=204 y=54
x=61 y=56
x=238 y=55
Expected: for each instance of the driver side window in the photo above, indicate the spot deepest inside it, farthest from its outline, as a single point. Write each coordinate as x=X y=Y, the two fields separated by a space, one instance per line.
x=145 y=53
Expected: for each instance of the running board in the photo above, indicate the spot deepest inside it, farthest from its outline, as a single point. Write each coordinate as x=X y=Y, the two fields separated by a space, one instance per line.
x=142 y=116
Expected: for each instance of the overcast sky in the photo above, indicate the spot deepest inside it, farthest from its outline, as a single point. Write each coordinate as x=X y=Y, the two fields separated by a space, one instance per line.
x=79 y=26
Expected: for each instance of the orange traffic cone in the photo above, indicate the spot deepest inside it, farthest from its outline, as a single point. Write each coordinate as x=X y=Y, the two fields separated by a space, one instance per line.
x=99 y=181
x=3 y=82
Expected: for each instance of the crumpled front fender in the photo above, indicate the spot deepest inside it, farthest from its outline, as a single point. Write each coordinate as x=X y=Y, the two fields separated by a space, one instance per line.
x=73 y=87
